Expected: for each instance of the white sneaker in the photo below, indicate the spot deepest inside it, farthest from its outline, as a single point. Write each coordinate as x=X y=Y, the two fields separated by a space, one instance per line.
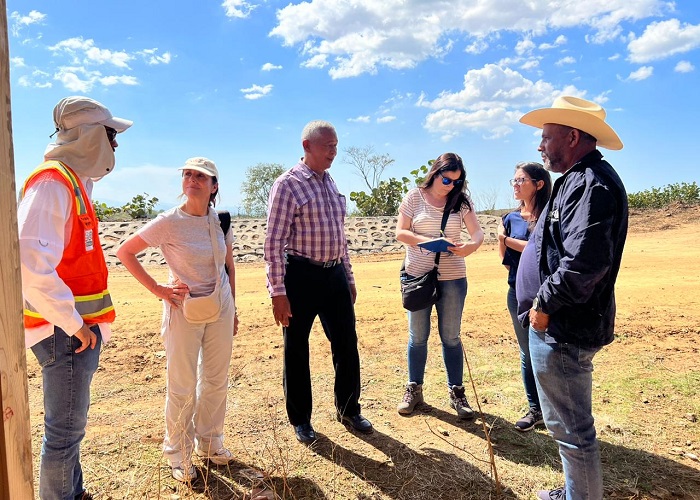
x=185 y=473
x=222 y=456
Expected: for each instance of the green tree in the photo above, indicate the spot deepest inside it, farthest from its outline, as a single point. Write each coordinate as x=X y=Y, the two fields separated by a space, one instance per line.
x=386 y=196
x=102 y=211
x=382 y=200
x=257 y=185
x=140 y=206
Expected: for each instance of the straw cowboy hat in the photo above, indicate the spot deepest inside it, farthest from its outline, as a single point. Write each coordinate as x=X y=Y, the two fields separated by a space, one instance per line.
x=577 y=113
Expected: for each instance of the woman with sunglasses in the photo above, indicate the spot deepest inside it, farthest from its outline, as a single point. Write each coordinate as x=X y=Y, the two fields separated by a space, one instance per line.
x=532 y=186
x=419 y=220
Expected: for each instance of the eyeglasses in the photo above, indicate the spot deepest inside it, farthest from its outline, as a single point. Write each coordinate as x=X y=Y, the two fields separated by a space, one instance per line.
x=446 y=181
x=111 y=134
x=519 y=182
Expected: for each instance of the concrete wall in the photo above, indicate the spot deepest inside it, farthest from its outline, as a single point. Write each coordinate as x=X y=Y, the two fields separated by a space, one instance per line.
x=365 y=235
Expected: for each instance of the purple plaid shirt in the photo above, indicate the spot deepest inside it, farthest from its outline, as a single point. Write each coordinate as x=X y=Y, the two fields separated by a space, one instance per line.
x=305 y=217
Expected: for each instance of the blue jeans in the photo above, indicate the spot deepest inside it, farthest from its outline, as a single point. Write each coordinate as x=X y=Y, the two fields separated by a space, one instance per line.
x=449 y=312
x=533 y=399
x=564 y=375
x=66 y=380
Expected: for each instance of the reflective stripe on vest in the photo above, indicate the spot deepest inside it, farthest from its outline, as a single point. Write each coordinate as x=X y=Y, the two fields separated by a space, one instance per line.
x=82 y=266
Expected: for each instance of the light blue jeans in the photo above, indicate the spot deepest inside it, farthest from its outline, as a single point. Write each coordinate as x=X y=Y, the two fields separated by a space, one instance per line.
x=66 y=379
x=522 y=334
x=564 y=375
x=449 y=309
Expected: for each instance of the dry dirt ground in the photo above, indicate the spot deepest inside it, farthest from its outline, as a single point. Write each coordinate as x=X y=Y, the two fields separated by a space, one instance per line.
x=646 y=395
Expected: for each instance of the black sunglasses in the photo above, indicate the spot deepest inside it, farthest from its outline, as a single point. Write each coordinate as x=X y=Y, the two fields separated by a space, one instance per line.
x=446 y=181
x=111 y=134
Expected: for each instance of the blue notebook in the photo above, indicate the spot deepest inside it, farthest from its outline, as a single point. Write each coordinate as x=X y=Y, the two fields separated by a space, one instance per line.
x=436 y=245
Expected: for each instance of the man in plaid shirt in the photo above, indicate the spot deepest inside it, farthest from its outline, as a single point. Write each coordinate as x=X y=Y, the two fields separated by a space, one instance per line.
x=309 y=275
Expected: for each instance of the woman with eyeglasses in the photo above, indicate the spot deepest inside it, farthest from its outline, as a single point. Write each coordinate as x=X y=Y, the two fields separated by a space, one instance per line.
x=532 y=186
x=419 y=220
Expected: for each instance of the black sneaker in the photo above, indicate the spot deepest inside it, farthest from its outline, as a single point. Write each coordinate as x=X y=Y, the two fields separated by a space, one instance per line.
x=529 y=421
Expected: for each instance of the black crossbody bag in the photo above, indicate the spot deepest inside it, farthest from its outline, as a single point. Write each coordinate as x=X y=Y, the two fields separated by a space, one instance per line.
x=422 y=291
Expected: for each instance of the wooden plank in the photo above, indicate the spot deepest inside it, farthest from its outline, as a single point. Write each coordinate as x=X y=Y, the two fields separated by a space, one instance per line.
x=16 y=478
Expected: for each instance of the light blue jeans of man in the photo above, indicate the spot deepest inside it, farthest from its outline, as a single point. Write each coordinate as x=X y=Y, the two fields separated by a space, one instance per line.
x=66 y=379
x=522 y=334
x=564 y=376
x=449 y=309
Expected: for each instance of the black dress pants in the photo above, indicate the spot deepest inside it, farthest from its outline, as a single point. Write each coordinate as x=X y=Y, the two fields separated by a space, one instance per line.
x=324 y=292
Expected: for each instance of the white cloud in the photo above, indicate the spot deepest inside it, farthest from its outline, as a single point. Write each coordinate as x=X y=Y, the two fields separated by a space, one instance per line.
x=476 y=47
x=71 y=81
x=386 y=119
x=561 y=40
x=490 y=102
x=81 y=79
x=663 y=39
x=270 y=67
x=614 y=57
x=256 y=91
x=83 y=54
x=17 y=62
x=19 y=21
x=524 y=47
x=565 y=60
x=26 y=81
x=363 y=36
x=317 y=61
x=77 y=47
x=360 y=119
x=684 y=67
x=38 y=79
x=530 y=64
x=238 y=8
x=641 y=74
x=108 y=81
x=152 y=58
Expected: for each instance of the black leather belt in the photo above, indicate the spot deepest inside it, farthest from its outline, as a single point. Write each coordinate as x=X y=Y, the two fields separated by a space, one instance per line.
x=306 y=260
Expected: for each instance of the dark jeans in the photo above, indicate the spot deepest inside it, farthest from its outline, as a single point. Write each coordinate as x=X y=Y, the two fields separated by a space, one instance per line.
x=314 y=291
x=522 y=334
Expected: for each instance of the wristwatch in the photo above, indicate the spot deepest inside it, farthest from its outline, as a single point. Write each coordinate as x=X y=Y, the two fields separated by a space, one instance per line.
x=537 y=304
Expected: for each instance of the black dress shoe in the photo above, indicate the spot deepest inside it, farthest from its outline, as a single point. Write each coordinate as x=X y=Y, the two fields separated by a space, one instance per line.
x=305 y=433
x=357 y=422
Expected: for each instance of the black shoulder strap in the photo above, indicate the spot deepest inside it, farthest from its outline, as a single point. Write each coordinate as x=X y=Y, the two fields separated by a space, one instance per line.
x=224 y=220
x=443 y=224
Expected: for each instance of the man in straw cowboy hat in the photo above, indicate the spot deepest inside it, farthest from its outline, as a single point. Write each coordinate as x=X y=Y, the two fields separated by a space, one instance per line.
x=566 y=280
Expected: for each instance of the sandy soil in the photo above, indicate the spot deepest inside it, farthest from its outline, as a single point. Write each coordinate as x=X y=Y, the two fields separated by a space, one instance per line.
x=646 y=398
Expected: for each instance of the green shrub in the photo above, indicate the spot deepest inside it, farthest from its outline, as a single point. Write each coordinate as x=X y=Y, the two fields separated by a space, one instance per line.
x=685 y=193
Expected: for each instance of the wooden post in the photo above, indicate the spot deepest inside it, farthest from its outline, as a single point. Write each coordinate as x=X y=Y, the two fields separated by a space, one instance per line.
x=16 y=478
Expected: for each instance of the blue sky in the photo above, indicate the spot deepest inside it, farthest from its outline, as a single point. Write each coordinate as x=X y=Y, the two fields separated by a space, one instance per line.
x=236 y=82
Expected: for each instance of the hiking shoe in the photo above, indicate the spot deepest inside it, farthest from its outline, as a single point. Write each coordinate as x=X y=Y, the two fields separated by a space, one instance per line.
x=222 y=456
x=530 y=420
x=411 y=398
x=458 y=401
x=557 y=494
x=185 y=473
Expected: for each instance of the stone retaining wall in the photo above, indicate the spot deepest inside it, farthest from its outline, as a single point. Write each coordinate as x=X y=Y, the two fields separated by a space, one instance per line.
x=365 y=235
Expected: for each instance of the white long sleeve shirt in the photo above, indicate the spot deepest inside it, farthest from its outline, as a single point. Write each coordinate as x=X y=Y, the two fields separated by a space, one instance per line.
x=44 y=220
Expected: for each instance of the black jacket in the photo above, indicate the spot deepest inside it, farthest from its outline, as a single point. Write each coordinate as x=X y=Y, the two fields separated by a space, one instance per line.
x=579 y=239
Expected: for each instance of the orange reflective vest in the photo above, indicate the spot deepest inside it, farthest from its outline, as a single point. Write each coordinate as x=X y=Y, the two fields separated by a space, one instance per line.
x=82 y=267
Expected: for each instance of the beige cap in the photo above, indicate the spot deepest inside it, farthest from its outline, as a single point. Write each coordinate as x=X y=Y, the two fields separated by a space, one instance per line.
x=201 y=164
x=78 y=110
